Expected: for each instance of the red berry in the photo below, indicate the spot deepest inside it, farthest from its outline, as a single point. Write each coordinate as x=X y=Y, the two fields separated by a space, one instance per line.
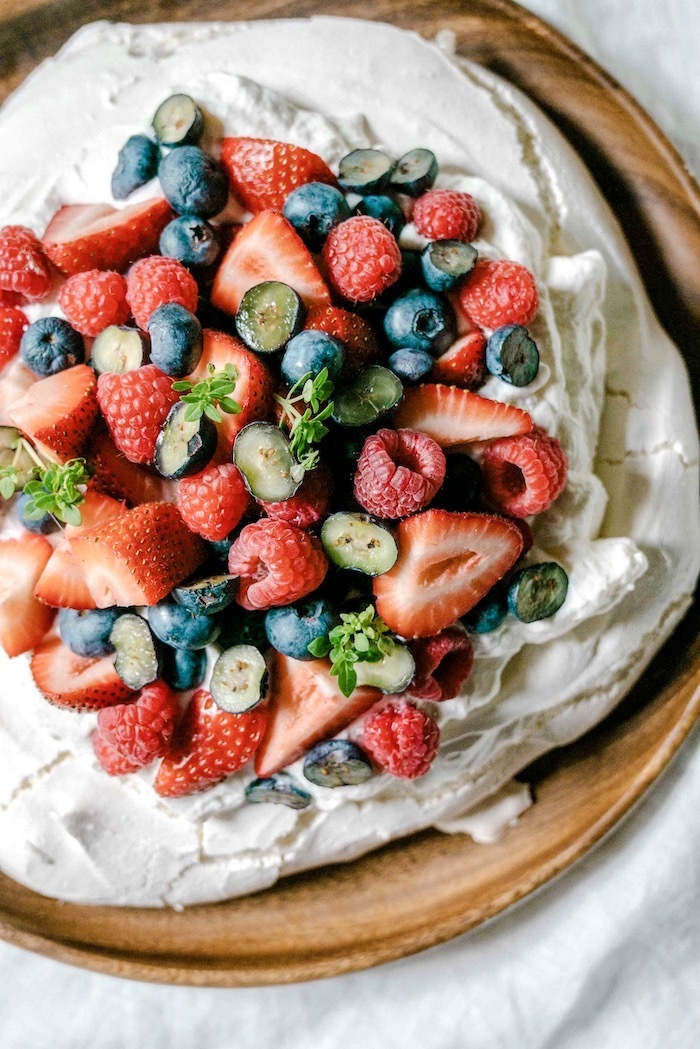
x=142 y=730
x=213 y=502
x=277 y=563
x=11 y=298
x=309 y=504
x=357 y=336
x=263 y=172
x=93 y=300
x=443 y=665
x=444 y=214
x=13 y=324
x=401 y=739
x=524 y=475
x=59 y=412
x=362 y=257
x=23 y=266
x=464 y=364
x=135 y=405
x=498 y=293
x=398 y=472
x=156 y=280
x=109 y=757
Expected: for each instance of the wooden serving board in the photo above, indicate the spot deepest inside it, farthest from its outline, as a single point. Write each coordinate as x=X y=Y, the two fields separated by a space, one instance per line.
x=426 y=889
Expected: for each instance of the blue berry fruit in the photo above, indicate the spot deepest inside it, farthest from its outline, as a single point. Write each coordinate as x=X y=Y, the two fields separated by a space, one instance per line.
x=178 y=121
x=385 y=209
x=278 y=790
x=489 y=613
x=310 y=352
x=239 y=679
x=193 y=183
x=138 y=658
x=446 y=262
x=313 y=210
x=137 y=165
x=420 y=320
x=410 y=365
x=512 y=355
x=41 y=525
x=292 y=629
x=207 y=596
x=365 y=171
x=184 y=668
x=51 y=345
x=537 y=592
x=176 y=339
x=191 y=241
x=337 y=763
x=177 y=627
x=87 y=633
x=415 y=172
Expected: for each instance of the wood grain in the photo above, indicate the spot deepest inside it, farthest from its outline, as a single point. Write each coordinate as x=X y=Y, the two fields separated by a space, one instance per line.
x=424 y=890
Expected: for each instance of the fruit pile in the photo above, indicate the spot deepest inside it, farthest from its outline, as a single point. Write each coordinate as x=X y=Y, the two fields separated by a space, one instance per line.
x=265 y=439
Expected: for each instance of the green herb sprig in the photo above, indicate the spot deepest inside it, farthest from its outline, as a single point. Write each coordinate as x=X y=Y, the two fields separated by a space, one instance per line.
x=210 y=396
x=305 y=410
x=360 y=637
x=57 y=491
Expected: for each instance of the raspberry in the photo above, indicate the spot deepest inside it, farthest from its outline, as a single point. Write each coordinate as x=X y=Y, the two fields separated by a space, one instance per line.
x=464 y=364
x=11 y=298
x=278 y=564
x=398 y=472
x=443 y=665
x=362 y=257
x=524 y=475
x=444 y=214
x=93 y=300
x=357 y=336
x=310 y=502
x=135 y=405
x=109 y=757
x=142 y=730
x=401 y=739
x=498 y=293
x=13 y=324
x=212 y=502
x=156 y=280
x=23 y=266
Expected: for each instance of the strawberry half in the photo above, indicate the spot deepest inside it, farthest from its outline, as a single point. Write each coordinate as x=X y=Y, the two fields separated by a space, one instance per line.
x=267 y=248
x=209 y=745
x=447 y=562
x=452 y=416
x=74 y=681
x=98 y=237
x=263 y=172
x=113 y=474
x=15 y=380
x=59 y=412
x=138 y=558
x=23 y=619
x=306 y=705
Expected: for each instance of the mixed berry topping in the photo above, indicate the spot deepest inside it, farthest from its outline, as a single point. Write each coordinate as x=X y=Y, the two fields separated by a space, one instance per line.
x=260 y=456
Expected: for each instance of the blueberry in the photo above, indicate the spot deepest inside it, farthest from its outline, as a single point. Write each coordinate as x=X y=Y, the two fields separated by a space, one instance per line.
x=239 y=679
x=385 y=209
x=447 y=262
x=313 y=210
x=373 y=393
x=292 y=629
x=279 y=790
x=359 y=543
x=415 y=172
x=337 y=763
x=51 y=345
x=139 y=656
x=184 y=446
x=462 y=486
x=87 y=633
x=263 y=455
x=310 y=352
x=176 y=339
x=191 y=241
x=269 y=315
x=365 y=171
x=489 y=613
x=208 y=595
x=177 y=627
x=239 y=627
x=410 y=365
x=420 y=320
x=537 y=592
x=42 y=525
x=183 y=668
x=193 y=182
x=178 y=120
x=219 y=549
x=512 y=355
x=137 y=165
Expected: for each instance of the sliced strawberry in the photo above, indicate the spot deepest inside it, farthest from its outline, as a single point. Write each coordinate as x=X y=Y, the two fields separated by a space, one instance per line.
x=209 y=745
x=254 y=384
x=263 y=172
x=447 y=562
x=59 y=412
x=114 y=475
x=98 y=237
x=74 y=681
x=138 y=558
x=23 y=619
x=267 y=248
x=306 y=706
x=464 y=363
x=15 y=380
x=453 y=416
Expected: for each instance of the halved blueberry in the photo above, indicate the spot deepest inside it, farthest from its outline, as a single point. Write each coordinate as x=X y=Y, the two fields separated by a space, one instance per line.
x=277 y=790
x=357 y=542
x=87 y=632
x=378 y=206
x=178 y=121
x=415 y=172
x=308 y=353
x=446 y=262
x=291 y=629
x=365 y=171
x=184 y=669
x=184 y=446
x=191 y=241
x=119 y=349
x=337 y=763
x=193 y=182
x=392 y=673
x=207 y=596
x=512 y=355
x=374 y=392
x=314 y=209
x=269 y=315
x=179 y=628
x=239 y=679
x=137 y=164
x=537 y=592
x=422 y=320
x=410 y=365
x=138 y=658
x=263 y=456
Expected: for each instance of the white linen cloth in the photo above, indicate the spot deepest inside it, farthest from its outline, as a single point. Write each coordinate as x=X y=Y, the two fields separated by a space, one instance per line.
x=606 y=957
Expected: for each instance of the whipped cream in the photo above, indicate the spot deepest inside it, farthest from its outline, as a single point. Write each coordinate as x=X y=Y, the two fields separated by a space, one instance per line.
x=612 y=388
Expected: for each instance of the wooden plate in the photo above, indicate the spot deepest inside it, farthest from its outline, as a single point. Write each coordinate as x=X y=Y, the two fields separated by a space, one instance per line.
x=426 y=889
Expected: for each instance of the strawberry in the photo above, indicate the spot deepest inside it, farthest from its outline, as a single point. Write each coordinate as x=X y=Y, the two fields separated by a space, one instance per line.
x=452 y=416
x=306 y=706
x=98 y=237
x=23 y=619
x=464 y=363
x=267 y=248
x=13 y=324
x=135 y=405
x=263 y=172
x=114 y=475
x=59 y=412
x=141 y=731
x=73 y=681
x=447 y=562
x=210 y=744
x=15 y=381
x=254 y=384
x=138 y=558
x=357 y=336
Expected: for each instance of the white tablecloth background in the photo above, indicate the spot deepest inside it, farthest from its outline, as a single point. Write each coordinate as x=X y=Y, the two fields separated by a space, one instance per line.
x=607 y=957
